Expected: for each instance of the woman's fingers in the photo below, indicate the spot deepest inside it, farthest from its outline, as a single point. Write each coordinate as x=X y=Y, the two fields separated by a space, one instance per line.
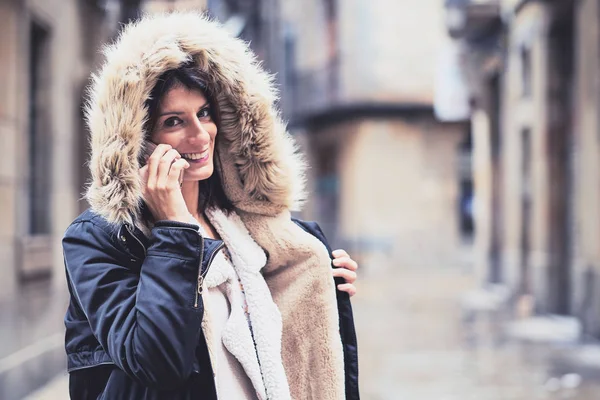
x=162 y=191
x=348 y=288
x=164 y=166
x=144 y=177
x=176 y=172
x=144 y=173
x=340 y=253
x=349 y=276
x=345 y=262
x=153 y=163
x=346 y=269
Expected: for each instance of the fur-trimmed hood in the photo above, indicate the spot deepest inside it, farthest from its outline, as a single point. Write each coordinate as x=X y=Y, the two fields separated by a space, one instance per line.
x=256 y=157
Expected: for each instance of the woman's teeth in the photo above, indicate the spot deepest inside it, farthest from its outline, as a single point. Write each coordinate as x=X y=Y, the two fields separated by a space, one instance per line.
x=195 y=156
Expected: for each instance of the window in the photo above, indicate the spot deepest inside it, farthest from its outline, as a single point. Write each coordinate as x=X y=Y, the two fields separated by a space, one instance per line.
x=39 y=151
x=526 y=84
x=526 y=210
x=466 y=193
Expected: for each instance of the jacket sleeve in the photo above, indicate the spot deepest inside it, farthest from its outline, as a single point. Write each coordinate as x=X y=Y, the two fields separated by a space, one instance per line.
x=145 y=320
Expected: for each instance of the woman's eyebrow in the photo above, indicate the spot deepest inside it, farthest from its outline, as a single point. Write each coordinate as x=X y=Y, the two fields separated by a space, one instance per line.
x=181 y=112
x=170 y=112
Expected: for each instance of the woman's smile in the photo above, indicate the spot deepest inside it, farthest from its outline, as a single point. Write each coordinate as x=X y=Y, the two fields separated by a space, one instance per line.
x=196 y=158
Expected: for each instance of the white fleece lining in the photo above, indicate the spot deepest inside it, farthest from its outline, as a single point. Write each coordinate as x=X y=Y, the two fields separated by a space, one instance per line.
x=248 y=258
x=236 y=335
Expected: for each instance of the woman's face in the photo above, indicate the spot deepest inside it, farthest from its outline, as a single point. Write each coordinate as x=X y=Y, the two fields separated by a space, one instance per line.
x=185 y=122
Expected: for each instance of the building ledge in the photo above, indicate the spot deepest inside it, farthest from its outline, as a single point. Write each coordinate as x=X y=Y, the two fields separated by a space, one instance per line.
x=359 y=110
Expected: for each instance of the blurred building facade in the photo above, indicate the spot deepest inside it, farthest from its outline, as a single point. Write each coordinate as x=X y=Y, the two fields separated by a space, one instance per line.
x=47 y=51
x=534 y=74
x=385 y=178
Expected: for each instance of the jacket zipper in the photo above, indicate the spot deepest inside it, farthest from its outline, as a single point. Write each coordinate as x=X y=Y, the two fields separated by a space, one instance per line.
x=202 y=275
x=136 y=238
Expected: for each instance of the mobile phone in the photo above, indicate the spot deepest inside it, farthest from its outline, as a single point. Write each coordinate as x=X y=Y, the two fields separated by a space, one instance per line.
x=147 y=150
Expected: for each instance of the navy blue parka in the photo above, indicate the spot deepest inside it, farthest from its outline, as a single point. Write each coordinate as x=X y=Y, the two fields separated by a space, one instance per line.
x=133 y=326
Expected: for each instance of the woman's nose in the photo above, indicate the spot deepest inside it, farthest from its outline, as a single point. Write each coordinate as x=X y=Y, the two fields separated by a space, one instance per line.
x=198 y=131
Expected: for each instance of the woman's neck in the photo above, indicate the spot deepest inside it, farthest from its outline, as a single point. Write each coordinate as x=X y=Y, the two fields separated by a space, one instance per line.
x=191 y=195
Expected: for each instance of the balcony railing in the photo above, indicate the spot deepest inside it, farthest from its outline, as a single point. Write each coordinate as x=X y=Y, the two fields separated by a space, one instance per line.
x=314 y=91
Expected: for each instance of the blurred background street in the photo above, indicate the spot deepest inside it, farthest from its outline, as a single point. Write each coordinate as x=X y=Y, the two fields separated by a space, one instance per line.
x=454 y=153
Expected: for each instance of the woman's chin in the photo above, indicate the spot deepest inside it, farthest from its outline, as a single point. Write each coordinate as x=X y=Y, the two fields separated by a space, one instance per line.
x=199 y=174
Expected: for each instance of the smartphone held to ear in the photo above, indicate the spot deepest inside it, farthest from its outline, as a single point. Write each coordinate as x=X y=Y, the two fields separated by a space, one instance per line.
x=147 y=150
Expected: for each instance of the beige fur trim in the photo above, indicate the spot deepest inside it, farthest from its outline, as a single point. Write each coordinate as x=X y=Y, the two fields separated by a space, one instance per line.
x=298 y=273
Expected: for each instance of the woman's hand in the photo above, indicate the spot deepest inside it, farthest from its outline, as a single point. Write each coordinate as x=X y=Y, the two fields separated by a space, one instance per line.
x=347 y=270
x=162 y=184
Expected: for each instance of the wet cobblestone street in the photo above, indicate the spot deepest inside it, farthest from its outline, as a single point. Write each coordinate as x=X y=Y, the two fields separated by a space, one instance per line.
x=415 y=344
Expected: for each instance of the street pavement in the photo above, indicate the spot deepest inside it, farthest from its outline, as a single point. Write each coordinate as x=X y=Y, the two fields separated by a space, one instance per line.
x=415 y=342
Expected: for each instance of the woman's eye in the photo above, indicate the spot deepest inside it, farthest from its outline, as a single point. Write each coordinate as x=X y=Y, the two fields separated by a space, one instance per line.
x=204 y=114
x=171 y=122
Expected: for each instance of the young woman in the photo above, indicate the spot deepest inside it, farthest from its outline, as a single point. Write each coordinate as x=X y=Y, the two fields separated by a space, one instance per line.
x=188 y=277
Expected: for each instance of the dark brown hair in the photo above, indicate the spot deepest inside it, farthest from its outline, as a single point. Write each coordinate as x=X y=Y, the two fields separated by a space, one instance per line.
x=212 y=194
